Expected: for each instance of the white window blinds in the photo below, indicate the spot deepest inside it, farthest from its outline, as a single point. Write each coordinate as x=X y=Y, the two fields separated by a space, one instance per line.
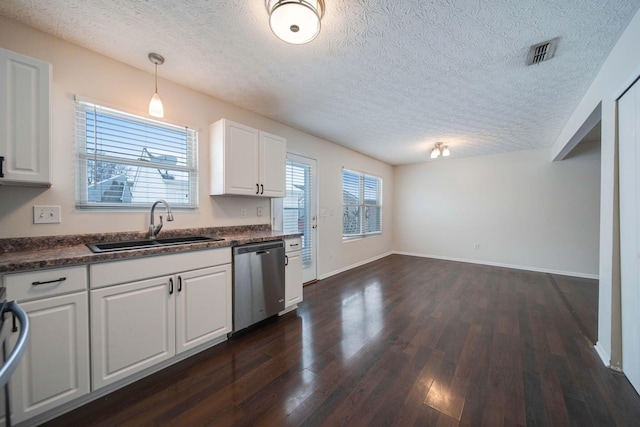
x=297 y=205
x=130 y=161
x=361 y=204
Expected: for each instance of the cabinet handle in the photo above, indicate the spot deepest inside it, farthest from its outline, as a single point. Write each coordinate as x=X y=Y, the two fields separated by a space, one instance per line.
x=179 y=283
x=1 y=163
x=293 y=244
x=261 y=188
x=286 y=260
x=257 y=188
x=62 y=279
x=171 y=286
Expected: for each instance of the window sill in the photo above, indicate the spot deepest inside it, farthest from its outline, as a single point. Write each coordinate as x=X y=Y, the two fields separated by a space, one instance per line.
x=361 y=237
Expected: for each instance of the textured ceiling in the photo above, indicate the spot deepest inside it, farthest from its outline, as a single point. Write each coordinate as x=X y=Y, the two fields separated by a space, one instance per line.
x=387 y=78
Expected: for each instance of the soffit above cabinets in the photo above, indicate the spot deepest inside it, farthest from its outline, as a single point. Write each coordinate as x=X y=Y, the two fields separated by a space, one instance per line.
x=387 y=78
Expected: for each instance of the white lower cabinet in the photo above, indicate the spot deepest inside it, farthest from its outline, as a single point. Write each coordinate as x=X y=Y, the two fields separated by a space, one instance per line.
x=203 y=306
x=132 y=328
x=293 y=272
x=137 y=313
x=137 y=325
x=55 y=367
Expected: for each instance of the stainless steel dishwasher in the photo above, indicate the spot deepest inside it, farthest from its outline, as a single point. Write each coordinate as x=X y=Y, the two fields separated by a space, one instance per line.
x=258 y=282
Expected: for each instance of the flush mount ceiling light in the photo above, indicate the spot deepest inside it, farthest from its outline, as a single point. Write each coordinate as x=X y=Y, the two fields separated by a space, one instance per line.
x=156 y=109
x=295 y=21
x=439 y=149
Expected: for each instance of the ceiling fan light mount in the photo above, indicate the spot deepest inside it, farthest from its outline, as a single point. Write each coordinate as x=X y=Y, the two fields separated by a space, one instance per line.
x=295 y=21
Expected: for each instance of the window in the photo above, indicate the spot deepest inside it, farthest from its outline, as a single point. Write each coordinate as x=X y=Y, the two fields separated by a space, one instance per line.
x=131 y=161
x=361 y=204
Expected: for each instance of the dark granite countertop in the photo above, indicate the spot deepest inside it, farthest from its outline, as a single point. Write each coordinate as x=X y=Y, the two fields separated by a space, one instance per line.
x=30 y=253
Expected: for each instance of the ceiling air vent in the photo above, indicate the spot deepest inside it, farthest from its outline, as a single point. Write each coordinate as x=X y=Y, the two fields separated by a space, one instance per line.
x=542 y=51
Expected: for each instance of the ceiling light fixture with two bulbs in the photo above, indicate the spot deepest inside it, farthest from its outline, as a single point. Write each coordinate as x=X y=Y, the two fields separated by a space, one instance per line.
x=440 y=149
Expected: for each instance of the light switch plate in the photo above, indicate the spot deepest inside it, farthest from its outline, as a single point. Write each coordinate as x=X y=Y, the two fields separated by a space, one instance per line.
x=46 y=215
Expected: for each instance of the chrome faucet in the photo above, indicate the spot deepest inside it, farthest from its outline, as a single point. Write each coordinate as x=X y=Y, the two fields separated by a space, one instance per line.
x=153 y=230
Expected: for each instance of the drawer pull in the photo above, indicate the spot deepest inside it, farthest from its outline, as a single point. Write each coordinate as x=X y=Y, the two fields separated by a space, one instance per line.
x=62 y=279
x=293 y=244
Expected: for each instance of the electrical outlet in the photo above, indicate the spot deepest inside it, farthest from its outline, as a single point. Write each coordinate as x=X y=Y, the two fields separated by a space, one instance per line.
x=476 y=246
x=243 y=213
x=46 y=215
x=259 y=213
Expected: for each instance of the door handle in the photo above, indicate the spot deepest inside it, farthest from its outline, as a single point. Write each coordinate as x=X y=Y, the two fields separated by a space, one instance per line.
x=261 y=188
x=179 y=283
x=1 y=163
x=257 y=188
x=171 y=286
x=286 y=260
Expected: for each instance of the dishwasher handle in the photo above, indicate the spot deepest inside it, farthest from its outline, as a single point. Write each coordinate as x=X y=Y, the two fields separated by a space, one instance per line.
x=258 y=249
x=14 y=358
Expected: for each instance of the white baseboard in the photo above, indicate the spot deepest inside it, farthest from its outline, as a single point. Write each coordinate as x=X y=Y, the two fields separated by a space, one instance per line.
x=499 y=264
x=604 y=355
x=358 y=264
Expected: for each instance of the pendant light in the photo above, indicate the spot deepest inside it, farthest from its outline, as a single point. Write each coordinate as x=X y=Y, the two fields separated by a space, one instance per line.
x=156 y=109
x=295 y=21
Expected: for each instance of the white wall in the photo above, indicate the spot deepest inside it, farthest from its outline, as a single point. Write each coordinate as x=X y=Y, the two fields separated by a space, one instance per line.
x=523 y=210
x=617 y=73
x=89 y=74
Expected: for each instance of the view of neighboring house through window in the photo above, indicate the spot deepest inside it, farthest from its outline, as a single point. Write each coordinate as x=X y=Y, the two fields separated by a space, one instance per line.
x=361 y=204
x=131 y=161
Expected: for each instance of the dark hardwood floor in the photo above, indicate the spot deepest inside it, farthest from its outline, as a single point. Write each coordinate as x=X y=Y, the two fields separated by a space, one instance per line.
x=581 y=298
x=401 y=341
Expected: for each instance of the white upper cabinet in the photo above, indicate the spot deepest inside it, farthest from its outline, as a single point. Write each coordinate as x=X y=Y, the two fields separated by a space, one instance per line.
x=25 y=121
x=273 y=158
x=246 y=161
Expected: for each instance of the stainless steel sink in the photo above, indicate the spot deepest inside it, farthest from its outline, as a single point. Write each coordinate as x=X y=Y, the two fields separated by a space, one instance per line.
x=148 y=243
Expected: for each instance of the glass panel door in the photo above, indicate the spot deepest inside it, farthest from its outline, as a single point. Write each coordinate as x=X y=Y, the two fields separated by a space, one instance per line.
x=299 y=211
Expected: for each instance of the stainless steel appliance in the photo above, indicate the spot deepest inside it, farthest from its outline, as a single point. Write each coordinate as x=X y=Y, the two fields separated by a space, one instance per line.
x=258 y=282
x=11 y=360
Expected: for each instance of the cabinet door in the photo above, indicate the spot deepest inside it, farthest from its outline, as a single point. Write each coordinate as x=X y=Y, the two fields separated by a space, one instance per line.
x=240 y=159
x=55 y=365
x=293 y=279
x=203 y=306
x=24 y=119
x=273 y=157
x=132 y=328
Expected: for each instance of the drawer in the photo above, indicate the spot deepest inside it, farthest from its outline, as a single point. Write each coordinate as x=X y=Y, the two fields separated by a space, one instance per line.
x=45 y=283
x=131 y=270
x=294 y=244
